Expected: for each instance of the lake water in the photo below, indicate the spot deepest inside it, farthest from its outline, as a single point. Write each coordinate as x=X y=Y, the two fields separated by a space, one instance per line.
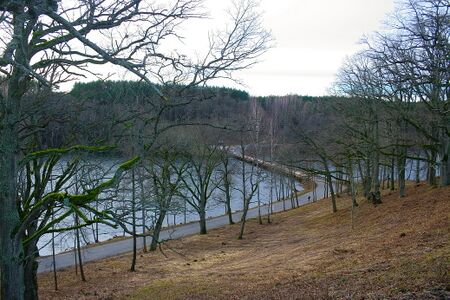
x=180 y=212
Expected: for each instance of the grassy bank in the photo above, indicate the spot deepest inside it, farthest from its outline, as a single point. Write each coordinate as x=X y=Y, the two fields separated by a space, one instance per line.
x=399 y=249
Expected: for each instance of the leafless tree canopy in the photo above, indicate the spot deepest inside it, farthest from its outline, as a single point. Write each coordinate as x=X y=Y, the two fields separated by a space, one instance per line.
x=44 y=43
x=60 y=40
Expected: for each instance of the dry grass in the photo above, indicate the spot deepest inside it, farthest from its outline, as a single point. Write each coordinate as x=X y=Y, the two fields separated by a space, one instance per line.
x=399 y=249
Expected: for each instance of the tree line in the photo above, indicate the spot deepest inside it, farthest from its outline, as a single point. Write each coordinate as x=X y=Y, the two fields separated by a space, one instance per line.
x=47 y=43
x=390 y=106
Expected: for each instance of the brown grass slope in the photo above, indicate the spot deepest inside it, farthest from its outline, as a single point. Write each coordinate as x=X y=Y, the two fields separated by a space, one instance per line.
x=397 y=250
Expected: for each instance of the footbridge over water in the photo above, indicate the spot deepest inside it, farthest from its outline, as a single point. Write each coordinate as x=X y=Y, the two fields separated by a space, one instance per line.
x=269 y=166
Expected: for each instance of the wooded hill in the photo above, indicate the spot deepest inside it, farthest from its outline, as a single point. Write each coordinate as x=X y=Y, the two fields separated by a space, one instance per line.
x=105 y=108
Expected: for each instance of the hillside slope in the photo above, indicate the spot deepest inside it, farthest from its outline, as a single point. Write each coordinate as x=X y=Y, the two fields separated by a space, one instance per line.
x=399 y=249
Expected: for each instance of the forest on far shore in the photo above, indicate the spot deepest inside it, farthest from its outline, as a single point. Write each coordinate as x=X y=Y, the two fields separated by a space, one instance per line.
x=171 y=136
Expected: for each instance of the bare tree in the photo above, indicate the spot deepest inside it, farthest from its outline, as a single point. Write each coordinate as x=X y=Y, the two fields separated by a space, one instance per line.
x=250 y=183
x=201 y=180
x=409 y=73
x=227 y=171
x=53 y=41
x=166 y=171
x=54 y=202
x=360 y=80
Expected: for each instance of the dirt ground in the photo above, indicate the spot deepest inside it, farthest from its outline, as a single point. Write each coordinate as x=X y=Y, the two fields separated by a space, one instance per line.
x=397 y=250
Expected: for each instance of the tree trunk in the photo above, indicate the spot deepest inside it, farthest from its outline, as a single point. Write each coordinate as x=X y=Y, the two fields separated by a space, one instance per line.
x=133 y=212
x=229 y=213
x=30 y=274
x=259 y=206
x=375 y=195
x=333 y=195
x=157 y=230
x=330 y=186
x=388 y=180
x=12 y=273
x=55 y=277
x=352 y=190
x=143 y=213
x=269 y=208
x=392 y=174
x=202 y=215
x=80 y=260
x=431 y=169
x=11 y=264
x=228 y=196
x=368 y=179
x=184 y=211
x=244 y=218
x=75 y=259
x=314 y=188
x=445 y=163
x=418 y=171
x=96 y=232
x=401 y=167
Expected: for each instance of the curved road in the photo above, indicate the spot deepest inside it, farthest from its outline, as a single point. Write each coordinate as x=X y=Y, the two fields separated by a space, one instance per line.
x=92 y=253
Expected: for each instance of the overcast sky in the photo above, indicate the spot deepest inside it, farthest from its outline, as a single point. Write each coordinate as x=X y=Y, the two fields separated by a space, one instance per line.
x=312 y=37
x=311 y=40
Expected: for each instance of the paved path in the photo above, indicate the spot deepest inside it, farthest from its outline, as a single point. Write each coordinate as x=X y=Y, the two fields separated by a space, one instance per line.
x=92 y=253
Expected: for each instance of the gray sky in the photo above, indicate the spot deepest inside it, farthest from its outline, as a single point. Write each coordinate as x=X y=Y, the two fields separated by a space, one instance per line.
x=311 y=40
x=312 y=37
